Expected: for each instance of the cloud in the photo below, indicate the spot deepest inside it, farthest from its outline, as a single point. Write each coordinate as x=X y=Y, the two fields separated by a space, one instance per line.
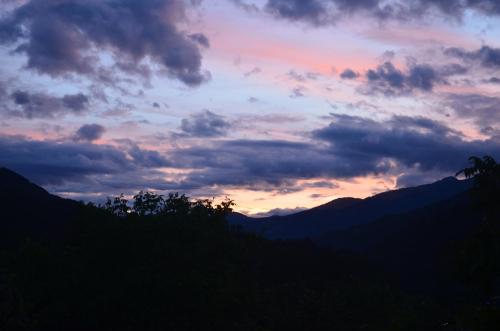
x=484 y=110
x=61 y=37
x=249 y=8
x=321 y=184
x=301 y=78
x=311 y=11
x=493 y=80
x=347 y=148
x=485 y=56
x=254 y=71
x=452 y=69
x=321 y=12
x=89 y=132
x=257 y=164
x=201 y=39
x=205 y=124
x=389 y=80
x=349 y=74
x=422 y=77
x=298 y=92
x=407 y=141
x=40 y=105
x=55 y=163
x=76 y=102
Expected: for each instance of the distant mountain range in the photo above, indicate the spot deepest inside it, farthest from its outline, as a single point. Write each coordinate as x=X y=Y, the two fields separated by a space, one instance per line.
x=407 y=231
x=348 y=212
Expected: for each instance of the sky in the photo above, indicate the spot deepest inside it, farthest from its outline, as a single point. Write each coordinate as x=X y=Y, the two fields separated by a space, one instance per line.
x=280 y=105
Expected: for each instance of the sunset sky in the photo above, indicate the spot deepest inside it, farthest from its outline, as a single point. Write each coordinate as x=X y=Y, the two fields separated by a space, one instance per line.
x=278 y=104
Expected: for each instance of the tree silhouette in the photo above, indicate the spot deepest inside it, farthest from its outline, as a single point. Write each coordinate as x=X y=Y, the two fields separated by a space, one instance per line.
x=486 y=191
x=148 y=203
x=480 y=255
x=117 y=206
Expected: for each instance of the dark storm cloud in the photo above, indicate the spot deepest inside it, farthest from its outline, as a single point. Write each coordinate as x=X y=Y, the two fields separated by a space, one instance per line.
x=318 y=12
x=347 y=148
x=89 y=132
x=253 y=163
x=50 y=162
x=349 y=74
x=61 y=36
x=41 y=105
x=412 y=142
x=148 y=158
x=205 y=124
x=389 y=80
x=485 y=56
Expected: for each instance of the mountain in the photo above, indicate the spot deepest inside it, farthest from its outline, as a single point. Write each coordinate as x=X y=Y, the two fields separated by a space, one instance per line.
x=413 y=245
x=409 y=232
x=28 y=210
x=179 y=271
x=348 y=212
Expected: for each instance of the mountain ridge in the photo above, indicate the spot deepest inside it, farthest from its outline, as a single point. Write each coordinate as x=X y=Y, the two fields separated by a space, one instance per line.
x=29 y=211
x=347 y=212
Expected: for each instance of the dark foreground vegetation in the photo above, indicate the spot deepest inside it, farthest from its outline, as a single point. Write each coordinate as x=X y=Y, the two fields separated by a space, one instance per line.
x=174 y=264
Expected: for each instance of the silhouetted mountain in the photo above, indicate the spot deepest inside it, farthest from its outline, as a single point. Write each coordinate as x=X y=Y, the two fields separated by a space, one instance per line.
x=179 y=269
x=347 y=212
x=28 y=210
x=413 y=245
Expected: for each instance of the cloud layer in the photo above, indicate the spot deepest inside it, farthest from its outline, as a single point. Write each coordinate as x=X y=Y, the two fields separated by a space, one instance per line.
x=59 y=37
x=319 y=12
x=42 y=105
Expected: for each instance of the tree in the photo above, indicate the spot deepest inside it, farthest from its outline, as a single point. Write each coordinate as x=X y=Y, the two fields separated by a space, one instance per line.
x=148 y=203
x=486 y=191
x=480 y=256
x=117 y=206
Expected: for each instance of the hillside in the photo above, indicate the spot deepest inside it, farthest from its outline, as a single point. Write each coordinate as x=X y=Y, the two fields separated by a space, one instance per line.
x=76 y=267
x=184 y=269
x=413 y=245
x=347 y=212
x=30 y=211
